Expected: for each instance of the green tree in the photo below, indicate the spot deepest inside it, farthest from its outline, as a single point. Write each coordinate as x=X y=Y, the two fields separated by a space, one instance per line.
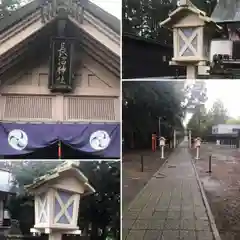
x=143 y=104
x=201 y=124
x=142 y=17
x=233 y=120
x=218 y=113
x=6 y=6
x=99 y=214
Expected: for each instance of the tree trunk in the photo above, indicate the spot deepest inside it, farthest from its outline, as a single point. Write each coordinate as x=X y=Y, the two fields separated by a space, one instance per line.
x=94 y=232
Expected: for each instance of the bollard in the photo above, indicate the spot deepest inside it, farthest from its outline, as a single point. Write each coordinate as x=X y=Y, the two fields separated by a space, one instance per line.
x=142 y=163
x=210 y=164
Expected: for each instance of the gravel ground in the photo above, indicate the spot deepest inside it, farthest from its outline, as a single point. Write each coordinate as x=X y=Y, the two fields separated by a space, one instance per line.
x=222 y=187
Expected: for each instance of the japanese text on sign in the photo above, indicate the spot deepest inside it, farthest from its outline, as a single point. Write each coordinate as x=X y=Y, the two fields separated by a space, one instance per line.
x=62 y=61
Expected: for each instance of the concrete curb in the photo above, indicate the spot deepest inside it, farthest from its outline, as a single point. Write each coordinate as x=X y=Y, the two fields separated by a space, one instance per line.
x=211 y=219
x=153 y=176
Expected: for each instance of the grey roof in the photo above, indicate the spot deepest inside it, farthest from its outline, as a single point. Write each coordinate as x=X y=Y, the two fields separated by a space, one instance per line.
x=18 y=15
x=67 y=166
x=226 y=11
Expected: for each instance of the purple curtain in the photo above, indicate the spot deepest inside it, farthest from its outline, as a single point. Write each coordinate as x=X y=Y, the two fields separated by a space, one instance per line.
x=102 y=139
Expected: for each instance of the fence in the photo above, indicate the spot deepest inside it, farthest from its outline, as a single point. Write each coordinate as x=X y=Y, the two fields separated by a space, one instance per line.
x=231 y=141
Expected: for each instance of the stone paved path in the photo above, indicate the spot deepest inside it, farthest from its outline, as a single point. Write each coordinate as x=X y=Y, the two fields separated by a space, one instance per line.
x=170 y=206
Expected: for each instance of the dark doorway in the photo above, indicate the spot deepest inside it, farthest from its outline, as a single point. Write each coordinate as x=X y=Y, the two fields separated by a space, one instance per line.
x=51 y=152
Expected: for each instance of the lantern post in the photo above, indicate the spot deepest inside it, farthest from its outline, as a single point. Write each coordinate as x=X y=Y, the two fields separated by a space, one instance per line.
x=162 y=143
x=197 y=146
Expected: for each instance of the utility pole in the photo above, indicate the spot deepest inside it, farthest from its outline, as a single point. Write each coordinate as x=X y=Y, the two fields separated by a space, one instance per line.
x=159 y=126
x=159 y=129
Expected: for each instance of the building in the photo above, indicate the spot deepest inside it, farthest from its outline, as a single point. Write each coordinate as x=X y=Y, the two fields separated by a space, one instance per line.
x=60 y=81
x=145 y=58
x=225 y=129
x=5 y=191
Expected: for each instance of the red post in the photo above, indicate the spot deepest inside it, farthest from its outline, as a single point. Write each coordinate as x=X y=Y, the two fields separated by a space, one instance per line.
x=154 y=142
x=59 y=150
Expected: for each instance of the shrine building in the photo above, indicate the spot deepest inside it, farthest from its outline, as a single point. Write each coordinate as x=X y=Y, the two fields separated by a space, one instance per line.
x=59 y=81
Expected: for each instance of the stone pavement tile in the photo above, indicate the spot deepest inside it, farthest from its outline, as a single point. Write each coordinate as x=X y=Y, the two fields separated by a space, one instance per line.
x=162 y=207
x=174 y=214
x=187 y=207
x=187 y=203
x=170 y=235
x=127 y=223
x=188 y=235
x=136 y=235
x=156 y=224
x=187 y=224
x=202 y=225
x=200 y=210
x=199 y=205
x=160 y=215
x=202 y=216
x=124 y=233
x=174 y=207
x=146 y=213
x=172 y=224
x=204 y=235
x=130 y=215
x=152 y=235
x=187 y=214
x=140 y=225
x=175 y=200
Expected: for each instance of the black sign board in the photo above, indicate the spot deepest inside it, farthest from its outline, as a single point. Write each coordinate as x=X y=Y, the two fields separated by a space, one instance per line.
x=61 y=75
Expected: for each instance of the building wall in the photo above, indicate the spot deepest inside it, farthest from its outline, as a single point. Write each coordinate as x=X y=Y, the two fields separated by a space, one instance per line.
x=225 y=128
x=26 y=97
x=143 y=58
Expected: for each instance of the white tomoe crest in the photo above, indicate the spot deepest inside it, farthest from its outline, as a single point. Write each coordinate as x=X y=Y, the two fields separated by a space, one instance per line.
x=99 y=140
x=17 y=139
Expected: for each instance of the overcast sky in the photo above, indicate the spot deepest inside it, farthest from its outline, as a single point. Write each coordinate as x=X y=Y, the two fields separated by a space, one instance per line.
x=225 y=90
x=111 y=6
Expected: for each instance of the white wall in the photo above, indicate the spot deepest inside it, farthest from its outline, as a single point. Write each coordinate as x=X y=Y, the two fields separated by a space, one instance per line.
x=224 y=128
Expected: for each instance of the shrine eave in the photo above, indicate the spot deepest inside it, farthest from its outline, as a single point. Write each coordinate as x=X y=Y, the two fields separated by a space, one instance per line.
x=62 y=169
x=18 y=15
x=181 y=12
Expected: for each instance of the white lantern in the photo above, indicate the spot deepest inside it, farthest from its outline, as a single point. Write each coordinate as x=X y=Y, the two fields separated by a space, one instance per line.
x=57 y=198
x=197 y=142
x=162 y=141
x=191 y=34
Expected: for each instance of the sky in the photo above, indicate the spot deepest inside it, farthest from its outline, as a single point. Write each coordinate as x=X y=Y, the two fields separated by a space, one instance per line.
x=113 y=7
x=228 y=91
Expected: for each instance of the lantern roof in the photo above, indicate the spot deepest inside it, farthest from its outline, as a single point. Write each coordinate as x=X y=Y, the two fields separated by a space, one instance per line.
x=182 y=11
x=67 y=167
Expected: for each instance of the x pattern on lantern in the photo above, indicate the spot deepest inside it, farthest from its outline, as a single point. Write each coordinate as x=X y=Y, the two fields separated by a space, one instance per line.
x=42 y=208
x=188 y=41
x=64 y=203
